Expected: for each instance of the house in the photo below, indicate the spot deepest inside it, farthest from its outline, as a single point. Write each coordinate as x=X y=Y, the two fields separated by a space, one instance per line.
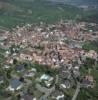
x=15 y=84
x=11 y=61
x=7 y=53
x=66 y=84
x=88 y=82
x=48 y=80
x=57 y=95
x=20 y=68
x=27 y=97
x=91 y=54
x=30 y=73
x=46 y=77
x=25 y=57
x=76 y=71
x=65 y=74
x=7 y=66
x=1 y=79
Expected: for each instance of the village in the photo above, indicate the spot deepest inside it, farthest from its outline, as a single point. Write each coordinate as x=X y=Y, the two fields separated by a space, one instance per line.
x=43 y=62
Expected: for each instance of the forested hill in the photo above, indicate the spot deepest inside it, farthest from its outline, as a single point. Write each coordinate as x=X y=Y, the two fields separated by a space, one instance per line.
x=13 y=12
x=80 y=2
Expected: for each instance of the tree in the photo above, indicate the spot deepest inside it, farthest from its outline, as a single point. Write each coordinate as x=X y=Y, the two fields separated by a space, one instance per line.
x=89 y=63
x=15 y=61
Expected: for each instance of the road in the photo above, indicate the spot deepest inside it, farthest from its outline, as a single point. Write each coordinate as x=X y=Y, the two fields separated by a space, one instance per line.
x=76 y=92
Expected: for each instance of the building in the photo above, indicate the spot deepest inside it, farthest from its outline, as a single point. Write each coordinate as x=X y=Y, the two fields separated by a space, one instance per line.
x=66 y=84
x=57 y=95
x=1 y=79
x=88 y=82
x=48 y=80
x=15 y=84
x=28 y=97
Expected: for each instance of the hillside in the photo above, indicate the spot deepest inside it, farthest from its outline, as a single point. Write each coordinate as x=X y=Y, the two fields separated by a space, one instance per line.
x=13 y=12
x=78 y=2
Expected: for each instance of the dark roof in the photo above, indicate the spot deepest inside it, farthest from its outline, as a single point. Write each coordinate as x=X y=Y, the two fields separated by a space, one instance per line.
x=67 y=83
x=56 y=93
x=64 y=74
x=86 y=82
x=20 y=68
x=15 y=83
x=27 y=97
x=1 y=78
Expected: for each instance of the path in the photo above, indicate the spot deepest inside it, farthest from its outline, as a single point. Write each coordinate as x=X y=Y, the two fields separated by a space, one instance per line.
x=76 y=92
